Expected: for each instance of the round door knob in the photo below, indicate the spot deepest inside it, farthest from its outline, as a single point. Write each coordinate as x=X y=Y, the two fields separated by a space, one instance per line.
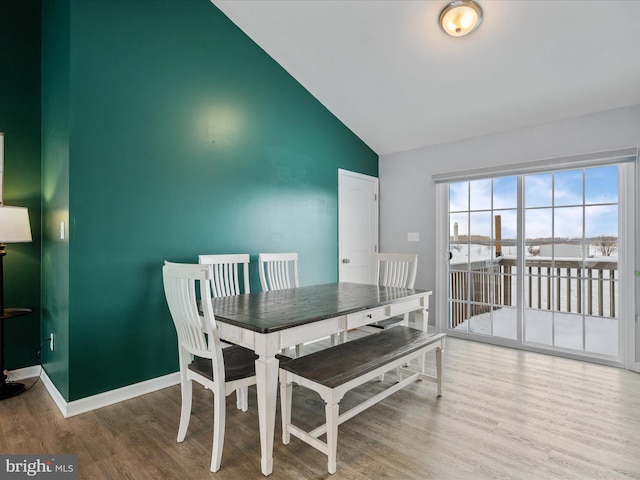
x=345 y=260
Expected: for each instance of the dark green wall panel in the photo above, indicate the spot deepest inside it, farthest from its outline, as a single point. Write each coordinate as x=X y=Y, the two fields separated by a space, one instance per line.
x=55 y=205
x=20 y=122
x=185 y=138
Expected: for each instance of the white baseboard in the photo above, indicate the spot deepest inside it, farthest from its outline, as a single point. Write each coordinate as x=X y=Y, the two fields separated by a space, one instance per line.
x=22 y=373
x=76 y=407
x=56 y=396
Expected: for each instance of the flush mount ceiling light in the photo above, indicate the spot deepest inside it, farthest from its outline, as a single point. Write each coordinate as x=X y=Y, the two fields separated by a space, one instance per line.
x=460 y=17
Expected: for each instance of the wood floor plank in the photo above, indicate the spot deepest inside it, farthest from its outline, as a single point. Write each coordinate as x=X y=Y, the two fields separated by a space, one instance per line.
x=504 y=414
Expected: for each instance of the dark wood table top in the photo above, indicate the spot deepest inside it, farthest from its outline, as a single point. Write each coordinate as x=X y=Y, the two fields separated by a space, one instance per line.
x=267 y=312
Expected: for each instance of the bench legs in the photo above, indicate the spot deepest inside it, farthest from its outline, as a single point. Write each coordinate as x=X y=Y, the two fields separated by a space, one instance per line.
x=333 y=419
x=332 y=412
x=438 y=369
x=333 y=395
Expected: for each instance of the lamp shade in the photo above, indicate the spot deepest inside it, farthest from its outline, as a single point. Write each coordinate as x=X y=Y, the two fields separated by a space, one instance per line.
x=14 y=225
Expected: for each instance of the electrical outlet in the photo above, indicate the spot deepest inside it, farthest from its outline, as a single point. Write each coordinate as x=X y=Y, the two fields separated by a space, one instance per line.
x=51 y=342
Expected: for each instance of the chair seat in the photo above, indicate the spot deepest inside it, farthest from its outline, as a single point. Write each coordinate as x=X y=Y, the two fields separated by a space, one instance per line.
x=239 y=362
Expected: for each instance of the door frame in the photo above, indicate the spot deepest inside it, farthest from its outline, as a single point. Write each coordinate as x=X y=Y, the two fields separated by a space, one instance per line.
x=631 y=227
x=341 y=242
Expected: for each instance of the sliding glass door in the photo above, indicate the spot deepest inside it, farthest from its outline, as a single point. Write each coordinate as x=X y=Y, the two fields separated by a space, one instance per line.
x=533 y=260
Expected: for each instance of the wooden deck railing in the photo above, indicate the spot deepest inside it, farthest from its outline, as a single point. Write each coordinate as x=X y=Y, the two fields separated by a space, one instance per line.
x=564 y=285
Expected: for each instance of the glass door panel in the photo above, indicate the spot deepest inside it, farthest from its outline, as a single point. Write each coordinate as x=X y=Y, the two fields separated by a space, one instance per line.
x=482 y=269
x=570 y=288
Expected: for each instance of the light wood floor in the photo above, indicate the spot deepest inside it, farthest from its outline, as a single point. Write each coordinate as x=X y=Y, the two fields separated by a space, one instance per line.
x=504 y=414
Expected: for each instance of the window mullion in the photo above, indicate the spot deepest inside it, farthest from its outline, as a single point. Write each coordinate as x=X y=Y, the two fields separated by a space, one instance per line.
x=520 y=259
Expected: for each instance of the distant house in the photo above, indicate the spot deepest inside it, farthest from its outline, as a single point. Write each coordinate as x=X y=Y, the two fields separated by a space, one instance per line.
x=561 y=250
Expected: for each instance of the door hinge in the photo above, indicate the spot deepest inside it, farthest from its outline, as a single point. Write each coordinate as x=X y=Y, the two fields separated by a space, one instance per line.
x=375 y=248
x=375 y=197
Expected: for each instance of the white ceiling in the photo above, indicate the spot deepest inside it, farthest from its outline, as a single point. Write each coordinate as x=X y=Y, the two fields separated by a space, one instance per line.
x=386 y=69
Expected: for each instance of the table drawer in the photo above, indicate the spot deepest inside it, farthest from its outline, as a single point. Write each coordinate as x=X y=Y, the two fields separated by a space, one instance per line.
x=368 y=316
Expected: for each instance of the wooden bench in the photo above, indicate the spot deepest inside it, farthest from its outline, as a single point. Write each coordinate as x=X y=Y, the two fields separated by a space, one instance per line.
x=336 y=370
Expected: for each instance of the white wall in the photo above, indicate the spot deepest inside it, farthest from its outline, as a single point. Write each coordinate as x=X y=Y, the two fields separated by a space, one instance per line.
x=407 y=193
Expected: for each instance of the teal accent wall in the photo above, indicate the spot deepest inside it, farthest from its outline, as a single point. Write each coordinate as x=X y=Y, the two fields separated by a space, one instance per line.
x=174 y=135
x=20 y=123
x=55 y=185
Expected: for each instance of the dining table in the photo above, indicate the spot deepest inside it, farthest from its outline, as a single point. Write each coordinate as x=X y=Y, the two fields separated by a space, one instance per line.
x=268 y=322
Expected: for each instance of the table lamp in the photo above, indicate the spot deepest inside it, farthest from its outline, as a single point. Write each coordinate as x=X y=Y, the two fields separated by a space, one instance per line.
x=14 y=228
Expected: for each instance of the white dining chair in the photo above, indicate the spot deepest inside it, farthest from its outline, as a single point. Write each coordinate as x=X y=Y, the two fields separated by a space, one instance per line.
x=200 y=353
x=230 y=276
x=230 y=273
x=279 y=271
x=395 y=270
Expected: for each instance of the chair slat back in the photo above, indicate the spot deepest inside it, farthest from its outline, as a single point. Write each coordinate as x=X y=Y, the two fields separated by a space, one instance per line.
x=197 y=335
x=396 y=269
x=278 y=271
x=226 y=273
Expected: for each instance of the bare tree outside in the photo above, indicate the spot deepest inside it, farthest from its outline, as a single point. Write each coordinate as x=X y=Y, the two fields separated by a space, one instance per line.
x=607 y=245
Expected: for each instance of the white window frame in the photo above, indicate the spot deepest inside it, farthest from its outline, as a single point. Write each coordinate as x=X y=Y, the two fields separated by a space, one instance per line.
x=628 y=230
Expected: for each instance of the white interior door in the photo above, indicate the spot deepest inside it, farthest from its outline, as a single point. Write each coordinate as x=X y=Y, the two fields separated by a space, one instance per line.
x=357 y=226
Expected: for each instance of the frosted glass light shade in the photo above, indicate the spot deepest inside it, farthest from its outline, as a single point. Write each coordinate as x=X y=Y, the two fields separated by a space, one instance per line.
x=460 y=17
x=14 y=225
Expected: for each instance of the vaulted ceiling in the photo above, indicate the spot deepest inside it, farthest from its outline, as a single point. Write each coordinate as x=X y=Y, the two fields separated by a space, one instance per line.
x=390 y=74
